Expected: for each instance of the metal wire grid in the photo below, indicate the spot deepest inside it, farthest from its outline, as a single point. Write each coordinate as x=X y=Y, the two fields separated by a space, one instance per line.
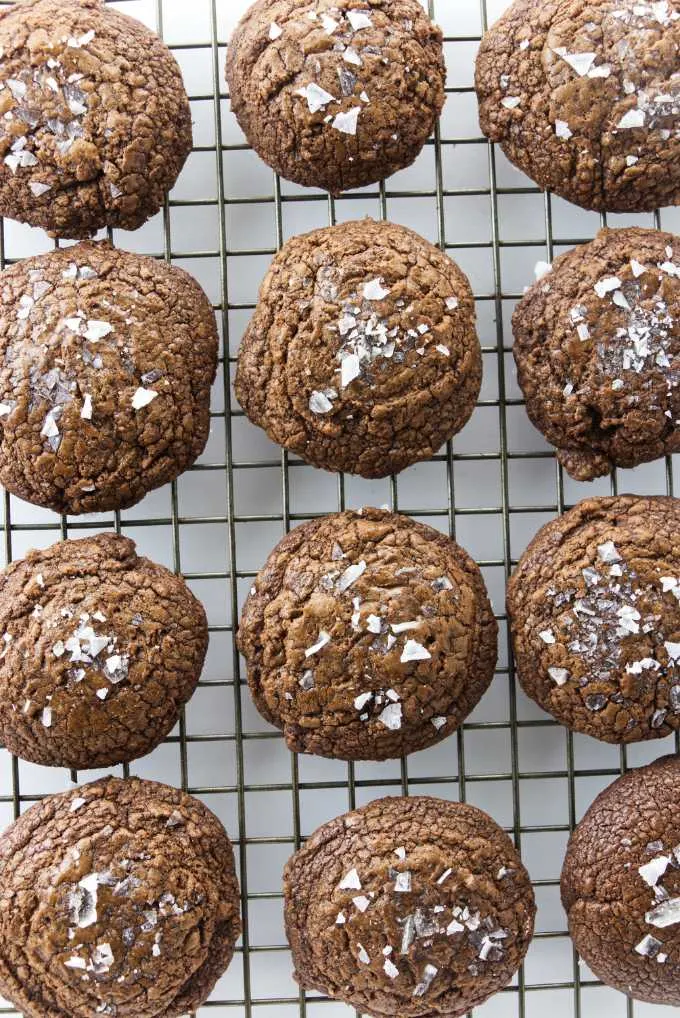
x=250 y=992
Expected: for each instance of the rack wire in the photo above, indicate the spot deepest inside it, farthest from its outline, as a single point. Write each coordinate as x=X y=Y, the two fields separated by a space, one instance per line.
x=510 y=758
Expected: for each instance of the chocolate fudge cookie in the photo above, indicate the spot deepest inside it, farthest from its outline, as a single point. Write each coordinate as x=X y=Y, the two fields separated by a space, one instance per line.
x=107 y=359
x=96 y=124
x=100 y=650
x=621 y=884
x=336 y=93
x=583 y=96
x=367 y=636
x=362 y=354
x=413 y=907
x=597 y=348
x=595 y=614
x=118 y=898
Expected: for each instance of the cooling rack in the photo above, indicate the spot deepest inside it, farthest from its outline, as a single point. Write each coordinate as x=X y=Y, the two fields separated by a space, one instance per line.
x=492 y=488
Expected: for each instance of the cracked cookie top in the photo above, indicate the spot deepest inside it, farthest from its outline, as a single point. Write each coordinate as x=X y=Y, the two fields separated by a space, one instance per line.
x=410 y=906
x=127 y=901
x=95 y=122
x=367 y=636
x=362 y=354
x=99 y=650
x=597 y=348
x=336 y=94
x=594 y=607
x=584 y=97
x=106 y=363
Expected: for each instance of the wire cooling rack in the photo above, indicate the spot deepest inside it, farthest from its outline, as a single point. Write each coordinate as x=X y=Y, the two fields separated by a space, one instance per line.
x=491 y=489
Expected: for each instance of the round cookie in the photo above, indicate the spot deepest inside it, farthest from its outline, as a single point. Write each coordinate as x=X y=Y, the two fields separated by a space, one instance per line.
x=582 y=95
x=621 y=884
x=597 y=348
x=107 y=359
x=119 y=898
x=410 y=906
x=594 y=607
x=336 y=94
x=362 y=355
x=100 y=650
x=96 y=124
x=367 y=636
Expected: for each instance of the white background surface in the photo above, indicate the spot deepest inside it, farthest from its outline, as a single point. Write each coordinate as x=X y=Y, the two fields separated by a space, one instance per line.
x=530 y=775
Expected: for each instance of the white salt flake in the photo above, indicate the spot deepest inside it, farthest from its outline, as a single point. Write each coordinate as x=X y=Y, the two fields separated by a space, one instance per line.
x=323 y=639
x=651 y=872
x=363 y=955
x=438 y=722
x=375 y=290
x=673 y=650
x=390 y=716
x=605 y=286
x=317 y=98
x=579 y=62
x=275 y=31
x=76 y=804
x=547 y=636
x=350 y=368
x=666 y=913
x=350 y=882
x=351 y=575
x=358 y=20
x=347 y=123
x=443 y=350
x=414 y=651
x=637 y=267
x=350 y=56
x=632 y=160
x=38 y=189
x=97 y=330
x=632 y=119
x=143 y=397
x=511 y=102
x=330 y=24
x=648 y=946
x=558 y=675
x=404 y=627
x=608 y=552
x=46 y=717
x=319 y=403
x=86 y=412
x=390 y=969
x=341 y=919
x=361 y=700
x=400 y=852
x=402 y=883
x=374 y=623
x=451 y=303
x=361 y=902
x=562 y=129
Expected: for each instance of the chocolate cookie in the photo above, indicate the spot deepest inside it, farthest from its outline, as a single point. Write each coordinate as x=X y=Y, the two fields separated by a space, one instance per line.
x=583 y=96
x=367 y=636
x=118 y=898
x=413 y=907
x=336 y=93
x=595 y=616
x=597 y=348
x=107 y=359
x=96 y=124
x=621 y=884
x=362 y=354
x=100 y=650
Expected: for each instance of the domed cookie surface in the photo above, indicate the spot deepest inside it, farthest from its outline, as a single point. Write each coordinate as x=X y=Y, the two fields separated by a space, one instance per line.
x=362 y=354
x=100 y=650
x=597 y=348
x=334 y=93
x=367 y=636
x=96 y=123
x=409 y=906
x=621 y=884
x=594 y=607
x=107 y=363
x=126 y=898
x=583 y=96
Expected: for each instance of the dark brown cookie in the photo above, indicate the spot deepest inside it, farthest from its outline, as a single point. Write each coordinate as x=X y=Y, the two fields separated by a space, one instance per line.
x=107 y=359
x=100 y=650
x=595 y=615
x=336 y=93
x=597 y=348
x=413 y=907
x=118 y=898
x=367 y=636
x=583 y=96
x=362 y=354
x=96 y=124
x=621 y=884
